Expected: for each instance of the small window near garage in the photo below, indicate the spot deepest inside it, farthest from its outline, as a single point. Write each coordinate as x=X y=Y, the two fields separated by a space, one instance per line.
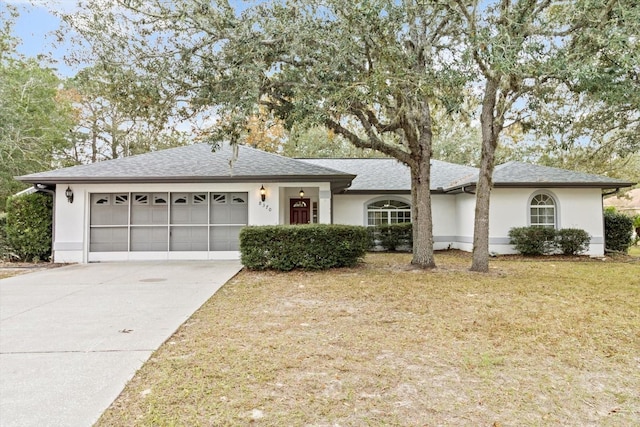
x=140 y=199
x=121 y=199
x=238 y=199
x=218 y=198
x=179 y=199
x=102 y=199
x=388 y=212
x=160 y=199
x=199 y=198
x=542 y=211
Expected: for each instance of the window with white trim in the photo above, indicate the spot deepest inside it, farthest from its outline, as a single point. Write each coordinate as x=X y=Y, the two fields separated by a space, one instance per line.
x=388 y=212
x=542 y=211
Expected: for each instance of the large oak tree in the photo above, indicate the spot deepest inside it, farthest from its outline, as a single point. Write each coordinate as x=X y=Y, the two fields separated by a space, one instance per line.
x=375 y=71
x=370 y=71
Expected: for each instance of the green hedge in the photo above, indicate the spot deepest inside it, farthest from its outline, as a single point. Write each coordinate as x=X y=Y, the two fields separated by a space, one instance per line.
x=546 y=241
x=572 y=241
x=5 y=249
x=618 y=230
x=391 y=237
x=309 y=247
x=28 y=227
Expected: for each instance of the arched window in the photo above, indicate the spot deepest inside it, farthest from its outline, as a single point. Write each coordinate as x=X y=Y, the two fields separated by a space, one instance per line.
x=388 y=212
x=542 y=211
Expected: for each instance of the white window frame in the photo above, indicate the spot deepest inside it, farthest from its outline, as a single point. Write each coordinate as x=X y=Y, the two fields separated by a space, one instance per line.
x=555 y=206
x=387 y=212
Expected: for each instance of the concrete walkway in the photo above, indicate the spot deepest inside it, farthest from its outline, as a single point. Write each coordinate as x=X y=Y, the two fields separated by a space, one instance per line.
x=71 y=337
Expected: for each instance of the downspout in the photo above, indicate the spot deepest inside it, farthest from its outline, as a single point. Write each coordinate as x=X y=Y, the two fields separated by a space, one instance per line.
x=44 y=189
x=465 y=191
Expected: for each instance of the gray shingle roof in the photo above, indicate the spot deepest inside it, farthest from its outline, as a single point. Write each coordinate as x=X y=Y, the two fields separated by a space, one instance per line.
x=197 y=163
x=520 y=174
x=391 y=175
x=193 y=163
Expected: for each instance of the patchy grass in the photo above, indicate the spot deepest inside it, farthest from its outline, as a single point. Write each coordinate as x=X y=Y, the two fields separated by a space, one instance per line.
x=634 y=251
x=549 y=342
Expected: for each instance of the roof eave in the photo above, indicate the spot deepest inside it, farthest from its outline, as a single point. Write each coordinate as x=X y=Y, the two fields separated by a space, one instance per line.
x=601 y=185
x=186 y=179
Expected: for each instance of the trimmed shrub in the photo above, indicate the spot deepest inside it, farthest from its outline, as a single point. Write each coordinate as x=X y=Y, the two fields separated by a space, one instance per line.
x=28 y=228
x=533 y=240
x=308 y=247
x=618 y=229
x=572 y=241
x=393 y=236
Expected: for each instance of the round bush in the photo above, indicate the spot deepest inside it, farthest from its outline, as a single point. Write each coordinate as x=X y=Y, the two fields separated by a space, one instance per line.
x=28 y=228
x=618 y=229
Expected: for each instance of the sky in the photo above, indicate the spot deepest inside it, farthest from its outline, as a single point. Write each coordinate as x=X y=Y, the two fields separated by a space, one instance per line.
x=37 y=22
x=35 y=26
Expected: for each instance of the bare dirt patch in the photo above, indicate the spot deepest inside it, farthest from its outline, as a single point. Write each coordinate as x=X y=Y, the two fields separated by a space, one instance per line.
x=9 y=269
x=536 y=343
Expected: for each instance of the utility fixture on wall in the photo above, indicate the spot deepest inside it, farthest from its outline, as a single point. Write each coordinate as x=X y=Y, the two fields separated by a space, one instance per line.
x=69 y=194
x=301 y=193
x=263 y=193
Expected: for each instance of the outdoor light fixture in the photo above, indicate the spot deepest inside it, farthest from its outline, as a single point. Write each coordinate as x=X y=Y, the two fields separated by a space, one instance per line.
x=301 y=193
x=263 y=193
x=69 y=194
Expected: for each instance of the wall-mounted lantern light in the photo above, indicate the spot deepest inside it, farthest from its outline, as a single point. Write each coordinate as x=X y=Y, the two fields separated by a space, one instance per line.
x=69 y=194
x=301 y=193
x=263 y=193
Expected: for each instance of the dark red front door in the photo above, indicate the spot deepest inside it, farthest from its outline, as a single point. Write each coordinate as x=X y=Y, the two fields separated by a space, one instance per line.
x=299 y=211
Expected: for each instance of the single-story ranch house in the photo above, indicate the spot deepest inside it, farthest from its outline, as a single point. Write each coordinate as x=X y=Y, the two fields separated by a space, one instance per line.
x=190 y=203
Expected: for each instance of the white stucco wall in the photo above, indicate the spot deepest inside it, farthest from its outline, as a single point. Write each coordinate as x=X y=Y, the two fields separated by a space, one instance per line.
x=464 y=216
x=575 y=208
x=351 y=209
x=452 y=215
x=71 y=242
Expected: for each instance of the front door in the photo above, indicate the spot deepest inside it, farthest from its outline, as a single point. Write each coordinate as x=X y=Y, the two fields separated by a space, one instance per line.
x=299 y=211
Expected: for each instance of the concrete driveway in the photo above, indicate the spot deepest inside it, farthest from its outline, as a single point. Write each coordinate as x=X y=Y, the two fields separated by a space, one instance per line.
x=71 y=337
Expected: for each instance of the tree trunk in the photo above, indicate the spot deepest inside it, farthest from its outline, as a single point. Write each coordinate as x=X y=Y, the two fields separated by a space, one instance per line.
x=480 y=258
x=421 y=212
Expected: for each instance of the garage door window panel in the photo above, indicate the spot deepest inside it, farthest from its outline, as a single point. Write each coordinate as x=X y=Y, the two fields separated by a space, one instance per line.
x=109 y=209
x=189 y=208
x=144 y=212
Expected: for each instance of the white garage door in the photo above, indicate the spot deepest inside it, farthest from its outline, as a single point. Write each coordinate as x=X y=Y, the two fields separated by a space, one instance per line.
x=153 y=222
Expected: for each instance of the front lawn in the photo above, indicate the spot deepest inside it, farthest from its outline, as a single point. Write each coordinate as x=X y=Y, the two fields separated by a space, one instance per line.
x=542 y=342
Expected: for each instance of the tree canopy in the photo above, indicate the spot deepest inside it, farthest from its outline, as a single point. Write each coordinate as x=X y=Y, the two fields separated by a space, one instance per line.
x=34 y=119
x=389 y=75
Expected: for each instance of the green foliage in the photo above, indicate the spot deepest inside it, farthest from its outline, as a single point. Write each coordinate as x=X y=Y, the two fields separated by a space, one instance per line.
x=34 y=121
x=572 y=241
x=392 y=236
x=546 y=241
x=5 y=249
x=308 y=247
x=28 y=228
x=119 y=113
x=533 y=240
x=320 y=142
x=618 y=229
